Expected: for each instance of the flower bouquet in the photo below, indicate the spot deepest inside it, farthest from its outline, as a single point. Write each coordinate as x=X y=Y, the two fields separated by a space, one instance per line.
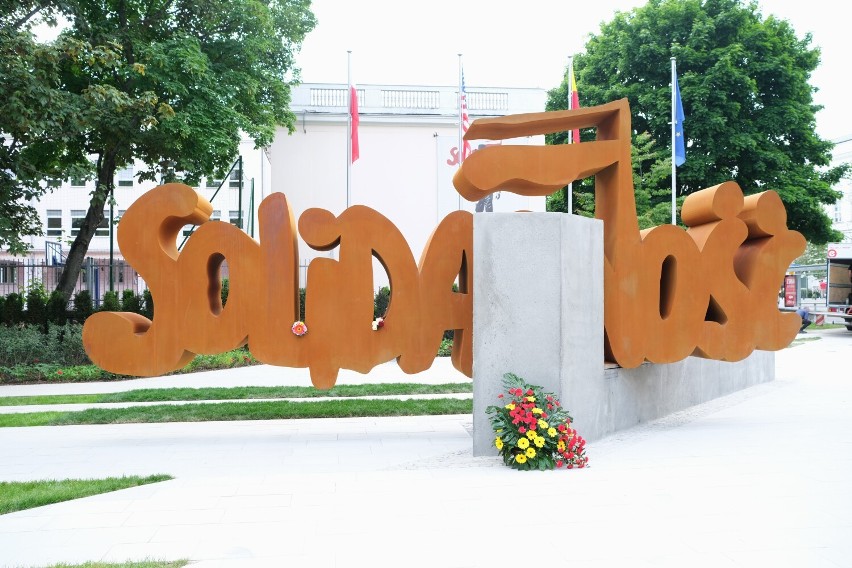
x=532 y=429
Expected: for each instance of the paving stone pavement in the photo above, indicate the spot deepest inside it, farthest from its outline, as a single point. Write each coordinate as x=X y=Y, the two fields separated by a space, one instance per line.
x=762 y=477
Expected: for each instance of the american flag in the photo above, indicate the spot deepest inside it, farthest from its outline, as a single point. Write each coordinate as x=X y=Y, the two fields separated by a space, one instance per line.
x=465 y=120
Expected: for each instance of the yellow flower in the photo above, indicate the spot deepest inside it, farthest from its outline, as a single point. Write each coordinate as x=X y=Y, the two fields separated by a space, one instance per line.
x=523 y=443
x=542 y=424
x=530 y=453
x=537 y=410
x=539 y=442
x=560 y=446
x=511 y=406
x=531 y=434
x=530 y=399
x=521 y=458
x=551 y=432
x=499 y=443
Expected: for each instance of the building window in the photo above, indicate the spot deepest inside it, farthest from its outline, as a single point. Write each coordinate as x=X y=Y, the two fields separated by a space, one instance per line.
x=77 y=216
x=103 y=227
x=54 y=183
x=8 y=274
x=234 y=218
x=125 y=177
x=234 y=180
x=837 y=216
x=78 y=182
x=54 y=222
x=213 y=183
x=216 y=215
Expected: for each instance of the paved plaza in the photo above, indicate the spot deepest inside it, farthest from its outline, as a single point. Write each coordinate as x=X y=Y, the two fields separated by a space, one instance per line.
x=762 y=477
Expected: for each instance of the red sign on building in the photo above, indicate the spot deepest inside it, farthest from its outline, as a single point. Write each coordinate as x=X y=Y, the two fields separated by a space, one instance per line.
x=790 y=291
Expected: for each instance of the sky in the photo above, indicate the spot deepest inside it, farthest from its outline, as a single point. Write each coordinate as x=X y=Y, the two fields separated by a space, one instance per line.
x=526 y=44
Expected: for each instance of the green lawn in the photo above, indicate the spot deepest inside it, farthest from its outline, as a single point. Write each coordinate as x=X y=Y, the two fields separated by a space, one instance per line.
x=20 y=495
x=242 y=411
x=236 y=393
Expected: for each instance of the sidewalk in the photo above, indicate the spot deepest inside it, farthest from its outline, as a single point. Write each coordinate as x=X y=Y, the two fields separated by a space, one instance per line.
x=758 y=478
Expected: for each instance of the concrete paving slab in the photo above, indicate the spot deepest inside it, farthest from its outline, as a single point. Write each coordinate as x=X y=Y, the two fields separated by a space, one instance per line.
x=758 y=478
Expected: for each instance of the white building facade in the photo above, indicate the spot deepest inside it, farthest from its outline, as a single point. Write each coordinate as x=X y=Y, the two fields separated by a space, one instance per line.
x=409 y=138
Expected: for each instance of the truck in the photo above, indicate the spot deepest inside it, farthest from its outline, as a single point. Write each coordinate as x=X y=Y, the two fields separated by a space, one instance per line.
x=839 y=283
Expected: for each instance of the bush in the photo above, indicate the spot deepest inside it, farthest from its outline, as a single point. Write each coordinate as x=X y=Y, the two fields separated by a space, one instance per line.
x=27 y=345
x=147 y=304
x=110 y=303
x=446 y=348
x=57 y=308
x=83 y=306
x=301 y=304
x=381 y=302
x=226 y=287
x=36 y=304
x=131 y=302
x=13 y=309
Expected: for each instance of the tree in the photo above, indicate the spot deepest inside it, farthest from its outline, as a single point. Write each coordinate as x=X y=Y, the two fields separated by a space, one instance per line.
x=173 y=83
x=37 y=119
x=750 y=115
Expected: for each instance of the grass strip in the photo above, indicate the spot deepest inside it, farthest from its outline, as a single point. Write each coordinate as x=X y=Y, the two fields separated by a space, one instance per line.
x=143 y=564
x=20 y=495
x=238 y=393
x=227 y=411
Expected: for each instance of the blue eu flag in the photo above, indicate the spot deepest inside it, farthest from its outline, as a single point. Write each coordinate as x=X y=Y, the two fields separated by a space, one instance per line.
x=680 y=146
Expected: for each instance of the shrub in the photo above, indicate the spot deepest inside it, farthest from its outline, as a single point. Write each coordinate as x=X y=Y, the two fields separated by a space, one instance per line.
x=36 y=304
x=13 y=309
x=27 y=345
x=147 y=304
x=110 y=303
x=57 y=308
x=301 y=304
x=226 y=286
x=83 y=306
x=446 y=348
x=381 y=302
x=131 y=302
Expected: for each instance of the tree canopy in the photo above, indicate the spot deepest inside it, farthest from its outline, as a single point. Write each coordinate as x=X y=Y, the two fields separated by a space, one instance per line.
x=172 y=83
x=744 y=82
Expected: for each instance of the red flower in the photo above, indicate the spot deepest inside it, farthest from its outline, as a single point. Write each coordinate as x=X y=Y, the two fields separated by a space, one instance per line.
x=529 y=392
x=59 y=372
x=522 y=430
x=559 y=463
x=500 y=395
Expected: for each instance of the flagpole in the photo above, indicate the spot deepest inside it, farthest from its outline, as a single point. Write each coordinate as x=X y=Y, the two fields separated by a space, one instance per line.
x=674 y=143
x=461 y=122
x=570 y=132
x=348 y=127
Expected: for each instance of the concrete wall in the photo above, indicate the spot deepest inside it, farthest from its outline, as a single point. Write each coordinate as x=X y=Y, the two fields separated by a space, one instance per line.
x=538 y=306
x=538 y=312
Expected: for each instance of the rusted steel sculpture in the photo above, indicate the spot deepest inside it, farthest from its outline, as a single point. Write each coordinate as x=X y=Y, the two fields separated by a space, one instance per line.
x=709 y=291
x=263 y=299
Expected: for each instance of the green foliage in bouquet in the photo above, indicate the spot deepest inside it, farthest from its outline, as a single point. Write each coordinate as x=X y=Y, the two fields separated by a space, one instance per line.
x=533 y=431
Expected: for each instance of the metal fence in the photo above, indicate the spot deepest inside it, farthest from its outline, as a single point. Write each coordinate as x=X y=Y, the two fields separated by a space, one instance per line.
x=18 y=275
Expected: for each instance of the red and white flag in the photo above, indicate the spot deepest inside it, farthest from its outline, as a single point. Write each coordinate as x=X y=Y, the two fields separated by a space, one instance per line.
x=353 y=112
x=465 y=120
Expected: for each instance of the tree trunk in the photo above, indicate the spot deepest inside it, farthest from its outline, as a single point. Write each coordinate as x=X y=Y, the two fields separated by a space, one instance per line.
x=94 y=217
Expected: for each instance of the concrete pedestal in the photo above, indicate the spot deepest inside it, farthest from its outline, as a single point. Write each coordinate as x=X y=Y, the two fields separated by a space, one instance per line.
x=538 y=312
